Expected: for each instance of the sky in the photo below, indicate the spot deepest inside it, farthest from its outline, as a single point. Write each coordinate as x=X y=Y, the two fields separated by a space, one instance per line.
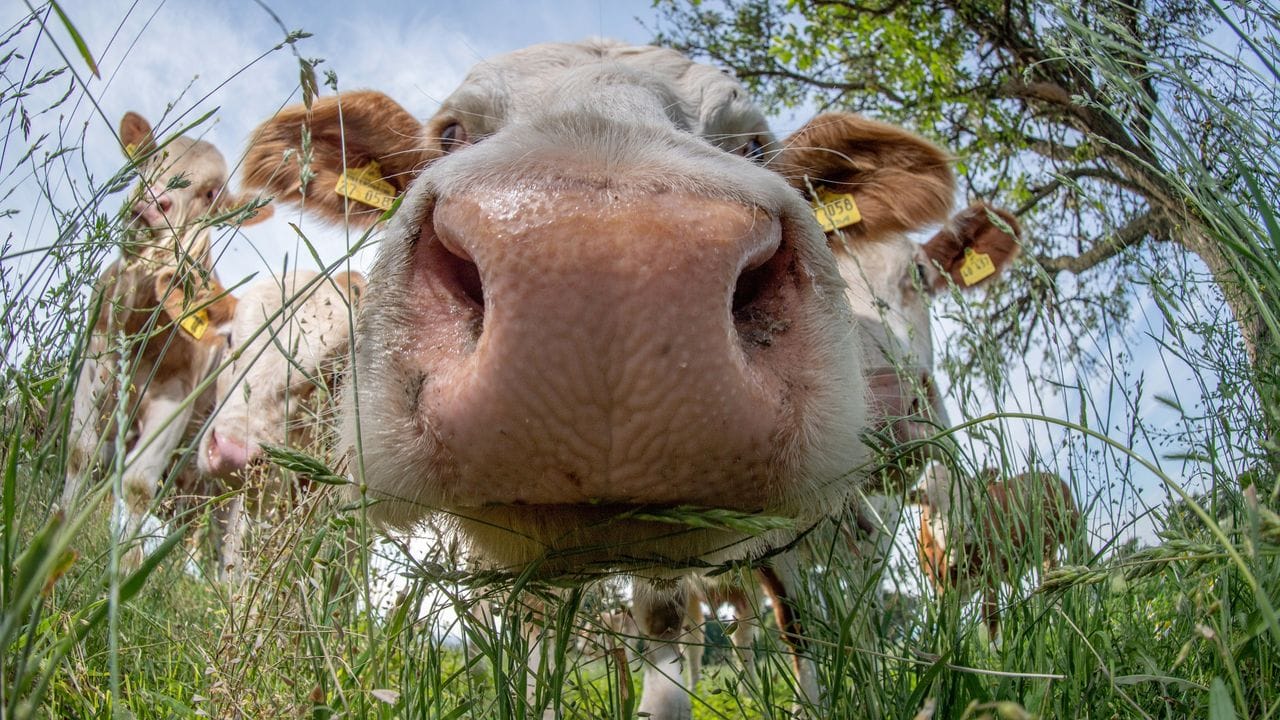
x=174 y=61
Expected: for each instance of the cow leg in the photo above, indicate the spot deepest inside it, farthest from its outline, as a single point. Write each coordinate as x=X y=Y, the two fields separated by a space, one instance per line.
x=232 y=525
x=783 y=580
x=539 y=638
x=746 y=605
x=90 y=419
x=991 y=613
x=695 y=639
x=161 y=424
x=659 y=615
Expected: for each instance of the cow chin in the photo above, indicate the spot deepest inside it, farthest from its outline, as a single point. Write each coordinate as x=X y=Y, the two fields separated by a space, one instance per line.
x=587 y=541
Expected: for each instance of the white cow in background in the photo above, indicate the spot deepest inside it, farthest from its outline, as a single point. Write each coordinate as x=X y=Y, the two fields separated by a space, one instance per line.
x=289 y=340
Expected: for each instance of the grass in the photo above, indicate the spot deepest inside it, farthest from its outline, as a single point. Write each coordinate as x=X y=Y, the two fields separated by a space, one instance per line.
x=1170 y=613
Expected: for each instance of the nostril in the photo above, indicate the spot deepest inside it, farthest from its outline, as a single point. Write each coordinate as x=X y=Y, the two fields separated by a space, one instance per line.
x=211 y=450
x=759 y=307
x=756 y=278
x=164 y=202
x=454 y=270
x=749 y=285
x=467 y=277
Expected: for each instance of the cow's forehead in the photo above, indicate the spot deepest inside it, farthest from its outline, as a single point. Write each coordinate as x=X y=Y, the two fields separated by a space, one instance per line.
x=187 y=156
x=706 y=101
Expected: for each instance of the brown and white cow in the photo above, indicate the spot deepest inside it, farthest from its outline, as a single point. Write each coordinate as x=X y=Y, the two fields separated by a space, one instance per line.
x=289 y=339
x=892 y=283
x=155 y=310
x=604 y=294
x=974 y=536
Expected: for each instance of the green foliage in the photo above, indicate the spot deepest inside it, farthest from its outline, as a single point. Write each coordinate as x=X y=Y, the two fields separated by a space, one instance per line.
x=1096 y=121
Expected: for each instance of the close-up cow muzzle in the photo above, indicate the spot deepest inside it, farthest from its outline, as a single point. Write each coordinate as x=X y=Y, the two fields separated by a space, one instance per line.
x=593 y=329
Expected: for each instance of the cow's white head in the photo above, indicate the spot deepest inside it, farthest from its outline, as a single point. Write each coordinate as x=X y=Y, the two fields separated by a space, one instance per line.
x=288 y=338
x=604 y=294
x=182 y=184
x=892 y=283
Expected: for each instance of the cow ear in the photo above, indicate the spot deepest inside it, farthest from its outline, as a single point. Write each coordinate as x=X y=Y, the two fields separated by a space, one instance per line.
x=229 y=202
x=171 y=294
x=136 y=136
x=195 y=311
x=975 y=247
x=364 y=132
x=352 y=284
x=899 y=181
x=916 y=496
x=221 y=305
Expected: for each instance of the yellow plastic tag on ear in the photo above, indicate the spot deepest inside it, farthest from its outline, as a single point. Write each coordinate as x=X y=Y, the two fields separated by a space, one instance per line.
x=365 y=185
x=131 y=149
x=976 y=267
x=835 y=211
x=195 y=323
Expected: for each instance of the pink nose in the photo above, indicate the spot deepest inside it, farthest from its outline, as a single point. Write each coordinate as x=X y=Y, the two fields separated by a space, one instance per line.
x=154 y=206
x=611 y=342
x=226 y=454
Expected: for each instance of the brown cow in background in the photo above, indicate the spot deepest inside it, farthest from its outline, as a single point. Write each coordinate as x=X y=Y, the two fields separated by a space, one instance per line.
x=974 y=537
x=153 y=337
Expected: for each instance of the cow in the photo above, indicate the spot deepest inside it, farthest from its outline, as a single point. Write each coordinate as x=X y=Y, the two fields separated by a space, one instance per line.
x=892 y=283
x=152 y=337
x=288 y=340
x=603 y=296
x=975 y=536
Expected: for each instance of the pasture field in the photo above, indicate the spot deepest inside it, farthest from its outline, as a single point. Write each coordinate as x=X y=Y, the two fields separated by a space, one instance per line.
x=1167 y=605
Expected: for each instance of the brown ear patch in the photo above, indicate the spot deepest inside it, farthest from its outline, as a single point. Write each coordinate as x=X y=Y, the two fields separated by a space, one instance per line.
x=228 y=202
x=348 y=131
x=222 y=304
x=900 y=181
x=136 y=136
x=352 y=284
x=982 y=230
x=195 y=305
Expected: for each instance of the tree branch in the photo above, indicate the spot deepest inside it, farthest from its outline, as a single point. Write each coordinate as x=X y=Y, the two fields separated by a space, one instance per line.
x=1137 y=230
x=879 y=10
x=1066 y=176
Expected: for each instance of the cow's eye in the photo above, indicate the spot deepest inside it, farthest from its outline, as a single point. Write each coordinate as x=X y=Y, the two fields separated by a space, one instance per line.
x=452 y=137
x=753 y=150
x=919 y=273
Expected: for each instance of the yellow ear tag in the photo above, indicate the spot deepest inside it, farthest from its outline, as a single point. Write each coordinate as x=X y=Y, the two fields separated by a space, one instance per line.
x=195 y=323
x=365 y=185
x=835 y=211
x=130 y=150
x=976 y=267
